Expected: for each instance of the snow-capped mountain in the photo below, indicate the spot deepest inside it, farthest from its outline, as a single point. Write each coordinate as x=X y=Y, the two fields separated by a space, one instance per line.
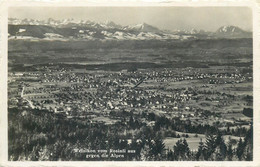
x=229 y=29
x=143 y=28
x=111 y=24
x=69 y=29
x=232 y=31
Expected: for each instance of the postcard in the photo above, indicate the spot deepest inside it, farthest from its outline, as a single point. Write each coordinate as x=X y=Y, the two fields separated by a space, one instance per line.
x=125 y=83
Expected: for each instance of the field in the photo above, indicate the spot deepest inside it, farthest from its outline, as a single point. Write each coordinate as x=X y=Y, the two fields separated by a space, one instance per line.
x=193 y=141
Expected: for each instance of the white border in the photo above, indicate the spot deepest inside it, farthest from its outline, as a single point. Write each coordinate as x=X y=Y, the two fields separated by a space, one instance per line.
x=254 y=5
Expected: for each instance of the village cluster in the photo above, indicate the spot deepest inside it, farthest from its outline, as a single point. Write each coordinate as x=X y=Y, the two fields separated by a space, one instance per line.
x=191 y=94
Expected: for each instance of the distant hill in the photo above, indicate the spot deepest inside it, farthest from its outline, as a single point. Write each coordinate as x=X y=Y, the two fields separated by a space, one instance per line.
x=37 y=31
x=232 y=32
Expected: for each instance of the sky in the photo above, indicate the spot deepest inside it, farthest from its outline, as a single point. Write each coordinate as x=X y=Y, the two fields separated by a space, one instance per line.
x=166 y=18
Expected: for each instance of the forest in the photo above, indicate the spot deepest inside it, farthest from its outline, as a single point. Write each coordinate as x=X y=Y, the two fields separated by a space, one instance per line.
x=35 y=135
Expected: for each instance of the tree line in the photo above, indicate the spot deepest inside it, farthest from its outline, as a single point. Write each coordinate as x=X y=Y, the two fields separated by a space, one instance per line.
x=41 y=135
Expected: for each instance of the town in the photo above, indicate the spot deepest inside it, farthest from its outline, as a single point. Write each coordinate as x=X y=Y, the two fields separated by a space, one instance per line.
x=195 y=95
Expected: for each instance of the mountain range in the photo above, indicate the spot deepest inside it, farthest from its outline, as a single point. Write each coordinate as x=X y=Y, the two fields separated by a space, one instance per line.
x=69 y=29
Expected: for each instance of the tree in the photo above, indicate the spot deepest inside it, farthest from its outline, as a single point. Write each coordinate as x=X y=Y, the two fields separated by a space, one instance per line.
x=240 y=149
x=181 y=150
x=221 y=148
x=210 y=146
x=229 y=151
x=131 y=122
x=248 y=143
x=170 y=155
x=200 y=155
x=145 y=153
x=158 y=149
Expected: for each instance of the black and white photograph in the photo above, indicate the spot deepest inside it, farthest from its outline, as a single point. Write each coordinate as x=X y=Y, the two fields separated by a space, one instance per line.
x=130 y=83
